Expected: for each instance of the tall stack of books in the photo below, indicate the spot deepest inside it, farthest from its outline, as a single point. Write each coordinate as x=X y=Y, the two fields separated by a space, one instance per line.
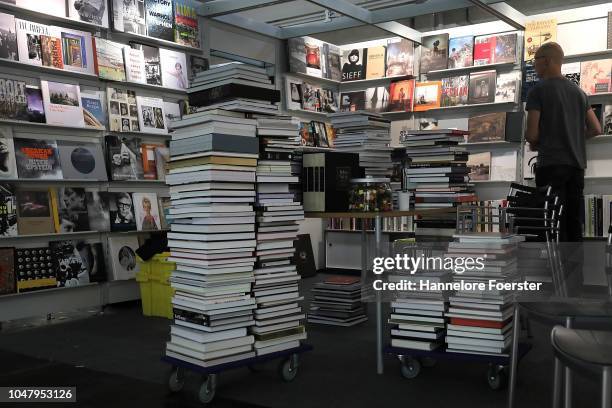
x=337 y=301
x=480 y=321
x=235 y=86
x=278 y=313
x=212 y=239
x=369 y=135
x=439 y=173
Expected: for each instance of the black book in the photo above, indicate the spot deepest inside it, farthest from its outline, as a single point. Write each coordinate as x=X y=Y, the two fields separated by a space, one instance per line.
x=215 y=142
x=160 y=19
x=92 y=256
x=121 y=209
x=303 y=257
x=124 y=158
x=275 y=156
x=8 y=210
x=72 y=203
x=69 y=268
x=231 y=91
x=7 y=271
x=34 y=269
x=191 y=317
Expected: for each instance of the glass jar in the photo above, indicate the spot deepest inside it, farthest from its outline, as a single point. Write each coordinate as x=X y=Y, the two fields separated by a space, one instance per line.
x=370 y=194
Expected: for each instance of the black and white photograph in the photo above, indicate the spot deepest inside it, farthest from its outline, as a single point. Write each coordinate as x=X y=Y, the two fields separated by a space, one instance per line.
x=151 y=114
x=121 y=210
x=8 y=211
x=124 y=158
x=92 y=256
x=72 y=204
x=69 y=267
x=8 y=167
x=97 y=210
x=89 y=11
x=8 y=37
x=122 y=252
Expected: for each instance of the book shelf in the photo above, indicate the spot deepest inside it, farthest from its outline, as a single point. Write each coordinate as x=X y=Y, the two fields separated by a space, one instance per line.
x=49 y=18
x=453 y=71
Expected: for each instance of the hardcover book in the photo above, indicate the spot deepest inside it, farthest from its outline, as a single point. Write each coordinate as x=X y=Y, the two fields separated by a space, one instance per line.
x=35 y=111
x=160 y=19
x=401 y=95
x=479 y=165
x=297 y=54
x=455 y=90
x=186 y=31
x=162 y=156
x=151 y=114
x=293 y=93
x=146 y=211
x=8 y=167
x=92 y=256
x=152 y=64
x=330 y=100
x=122 y=253
x=109 y=60
x=312 y=52
x=8 y=282
x=530 y=79
x=34 y=269
x=77 y=51
x=334 y=67
x=121 y=210
x=400 y=58
x=507 y=86
x=8 y=47
x=72 y=209
x=8 y=211
x=82 y=161
x=352 y=101
x=122 y=110
x=487 y=128
x=353 y=64
x=50 y=7
x=94 y=109
x=197 y=65
x=609 y=39
x=571 y=71
x=461 y=52
x=377 y=99
x=503 y=166
x=434 y=53
x=129 y=16
x=89 y=11
x=537 y=33
x=311 y=100
x=98 y=210
x=134 y=65
x=69 y=267
x=51 y=46
x=494 y=49
x=34 y=212
x=173 y=69
x=172 y=112
x=607 y=120
x=482 y=87
x=62 y=103
x=427 y=95
x=149 y=166
x=595 y=76
x=13 y=98
x=37 y=159
x=375 y=66
x=29 y=40
x=124 y=159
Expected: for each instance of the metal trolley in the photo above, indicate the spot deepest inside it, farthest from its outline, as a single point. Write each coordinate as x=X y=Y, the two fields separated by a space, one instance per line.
x=539 y=223
x=287 y=370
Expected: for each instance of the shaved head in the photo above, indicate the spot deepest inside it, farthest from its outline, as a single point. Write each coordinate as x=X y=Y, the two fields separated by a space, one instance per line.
x=548 y=60
x=552 y=51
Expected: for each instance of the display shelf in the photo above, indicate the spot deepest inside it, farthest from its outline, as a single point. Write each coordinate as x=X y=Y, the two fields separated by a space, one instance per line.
x=315 y=79
x=37 y=15
x=600 y=53
x=600 y=95
x=51 y=126
x=69 y=235
x=47 y=70
x=598 y=177
x=121 y=291
x=368 y=231
x=492 y=181
x=143 y=134
x=140 y=85
x=439 y=72
x=144 y=39
x=35 y=292
x=377 y=81
x=296 y=112
x=503 y=143
x=447 y=108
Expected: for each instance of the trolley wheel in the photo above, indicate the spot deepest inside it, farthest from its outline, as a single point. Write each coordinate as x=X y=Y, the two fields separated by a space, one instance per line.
x=176 y=379
x=428 y=361
x=288 y=368
x=206 y=393
x=410 y=368
x=496 y=377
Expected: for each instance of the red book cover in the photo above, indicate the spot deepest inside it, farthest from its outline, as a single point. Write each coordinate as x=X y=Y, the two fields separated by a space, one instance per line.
x=484 y=50
x=478 y=323
x=342 y=280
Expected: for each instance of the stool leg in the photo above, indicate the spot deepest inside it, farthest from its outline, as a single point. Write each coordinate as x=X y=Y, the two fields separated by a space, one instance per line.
x=557 y=384
x=568 y=372
x=606 y=388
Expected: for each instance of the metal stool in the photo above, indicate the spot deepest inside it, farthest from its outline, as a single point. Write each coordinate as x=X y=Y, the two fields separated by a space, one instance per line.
x=589 y=349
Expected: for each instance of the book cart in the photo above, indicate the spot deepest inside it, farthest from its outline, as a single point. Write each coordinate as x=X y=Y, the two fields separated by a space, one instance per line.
x=287 y=369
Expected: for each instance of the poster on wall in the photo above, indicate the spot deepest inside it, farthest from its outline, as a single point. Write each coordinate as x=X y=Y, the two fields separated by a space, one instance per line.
x=537 y=33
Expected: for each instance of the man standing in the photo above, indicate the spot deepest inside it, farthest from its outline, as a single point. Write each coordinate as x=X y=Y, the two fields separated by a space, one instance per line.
x=559 y=119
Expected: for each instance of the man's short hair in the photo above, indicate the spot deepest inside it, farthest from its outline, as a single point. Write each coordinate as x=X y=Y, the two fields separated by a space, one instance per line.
x=551 y=50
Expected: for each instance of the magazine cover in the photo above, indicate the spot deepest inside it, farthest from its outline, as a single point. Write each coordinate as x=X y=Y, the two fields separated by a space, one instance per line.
x=595 y=76
x=152 y=64
x=375 y=66
x=482 y=87
x=305 y=138
x=78 y=51
x=129 y=16
x=455 y=90
x=186 y=31
x=97 y=210
x=72 y=205
x=401 y=95
x=352 y=101
x=434 y=53
x=8 y=211
x=13 y=97
x=134 y=65
x=479 y=165
x=29 y=40
x=51 y=46
x=124 y=158
x=160 y=19
x=121 y=210
x=487 y=128
x=172 y=111
x=8 y=167
x=122 y=110
x=537 y=33
x=89 y=11
x=8 y=33
x=62 y=103
x=94 y=109
x=353 y=64
x=461 y=52
x=505 y=48
x=427 y=95
x=377 y=99
x=400 y=58
x=67 y=262
x=507 y=86
x=81 y=161
x=8 y=282
x=37 y=159
x=122 y=253
x=35 y=111
x=147 y=211
x=109 y=57
x=173 y=69
x=151 y=114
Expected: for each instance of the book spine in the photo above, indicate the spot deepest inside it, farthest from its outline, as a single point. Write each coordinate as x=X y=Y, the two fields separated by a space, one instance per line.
x=55 y=210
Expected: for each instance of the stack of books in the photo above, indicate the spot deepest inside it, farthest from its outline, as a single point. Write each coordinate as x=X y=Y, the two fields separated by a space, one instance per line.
x=337 y=301
x=480 y=320
x=369 y=135
x=278 y=313
x=212 y=238
x=438 y=175
x=234 y=86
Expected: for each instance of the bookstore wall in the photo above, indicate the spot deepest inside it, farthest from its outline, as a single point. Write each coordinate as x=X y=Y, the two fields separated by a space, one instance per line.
x=88 y=90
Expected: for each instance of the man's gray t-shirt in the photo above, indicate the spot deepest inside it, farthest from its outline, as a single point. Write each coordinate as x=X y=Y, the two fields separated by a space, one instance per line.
x=563 y=106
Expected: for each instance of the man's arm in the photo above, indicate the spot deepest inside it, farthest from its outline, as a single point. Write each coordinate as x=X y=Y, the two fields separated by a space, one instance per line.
x=532 y=134
x=593 y=127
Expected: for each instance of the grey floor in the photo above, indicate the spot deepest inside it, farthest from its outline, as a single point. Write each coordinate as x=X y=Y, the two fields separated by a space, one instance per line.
x=118 y=354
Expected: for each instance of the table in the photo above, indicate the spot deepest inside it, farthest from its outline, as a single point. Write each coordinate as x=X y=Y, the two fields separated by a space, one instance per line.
x=377 y=216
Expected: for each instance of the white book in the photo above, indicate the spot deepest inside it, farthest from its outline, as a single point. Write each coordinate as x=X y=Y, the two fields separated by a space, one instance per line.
x=413 y=344
x=217 y=221
x=203 y=337
x=29 y=40
x=146 y=210
x=62 y=103
x=206 y=229
x=213 y=346
x=134 y=65
x=88 y=11
x=207 y=355
x=78 y=52
x=213 y=271
x=275 y=342
x=151 y=114
x=211 y=209
x=212 y=237
x=278 y=347
x=174 y=69
x=210 y=245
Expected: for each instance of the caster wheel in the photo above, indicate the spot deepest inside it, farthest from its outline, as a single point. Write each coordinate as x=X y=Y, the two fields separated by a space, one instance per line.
x=410 y=368
x=428 y=361
x=496 y=377
x=287 y=370
x=206 y=393
x=176 y=380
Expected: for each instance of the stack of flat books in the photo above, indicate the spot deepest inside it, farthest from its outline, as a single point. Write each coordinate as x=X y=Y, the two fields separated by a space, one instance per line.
x=369 y=135
x=234 y=86
x=337 y=301
x=278 y=315
x=480 y=320
x=212 y=237
x=439 y=177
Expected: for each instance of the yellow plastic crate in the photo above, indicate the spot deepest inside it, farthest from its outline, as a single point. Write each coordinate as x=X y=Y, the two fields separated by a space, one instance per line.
x=155 y=290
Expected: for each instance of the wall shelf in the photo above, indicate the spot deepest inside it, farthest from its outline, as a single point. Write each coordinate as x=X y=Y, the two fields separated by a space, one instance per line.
x=500 y=143
x=46 y=125
x=36 y=15
x=600 y=53
x=440 y=72
x=492 y=181
x=143 y=39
